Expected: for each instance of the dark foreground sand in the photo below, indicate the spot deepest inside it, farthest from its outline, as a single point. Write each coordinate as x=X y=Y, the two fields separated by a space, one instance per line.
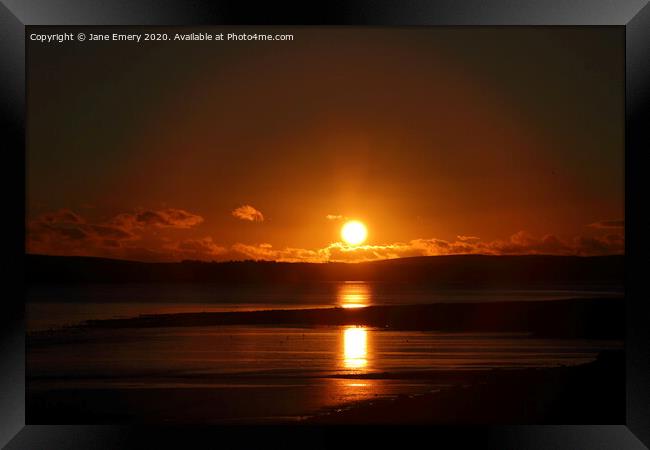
x=592 y=393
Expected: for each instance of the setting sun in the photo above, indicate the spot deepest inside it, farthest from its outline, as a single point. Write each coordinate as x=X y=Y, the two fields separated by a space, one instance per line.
x=354 y=232
x=324 y=226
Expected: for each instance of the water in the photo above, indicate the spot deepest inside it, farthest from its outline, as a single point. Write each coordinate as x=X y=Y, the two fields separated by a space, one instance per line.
x=258 y=373
x=56 y=306
x=217 y=352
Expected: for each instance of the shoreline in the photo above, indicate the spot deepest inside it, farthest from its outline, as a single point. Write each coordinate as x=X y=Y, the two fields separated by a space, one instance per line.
x=568 y=394
x=589 y=318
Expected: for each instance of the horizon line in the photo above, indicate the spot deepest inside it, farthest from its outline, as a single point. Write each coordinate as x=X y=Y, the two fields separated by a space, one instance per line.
x=540 y=255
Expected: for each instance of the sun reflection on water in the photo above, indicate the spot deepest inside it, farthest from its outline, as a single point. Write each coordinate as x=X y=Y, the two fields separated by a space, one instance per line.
x=353 y=294
x=355 y=347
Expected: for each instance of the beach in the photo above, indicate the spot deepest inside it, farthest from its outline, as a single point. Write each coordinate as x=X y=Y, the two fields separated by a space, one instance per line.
x=332 y=365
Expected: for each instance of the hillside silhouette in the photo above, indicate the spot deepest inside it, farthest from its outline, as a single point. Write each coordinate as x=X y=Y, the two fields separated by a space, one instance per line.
x=469 y=271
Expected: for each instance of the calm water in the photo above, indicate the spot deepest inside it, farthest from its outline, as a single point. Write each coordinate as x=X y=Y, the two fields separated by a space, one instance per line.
x=262 y=373
x=55 y=306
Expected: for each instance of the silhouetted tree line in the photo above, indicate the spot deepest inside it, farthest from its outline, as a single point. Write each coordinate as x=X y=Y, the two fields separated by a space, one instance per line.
x=457 y=271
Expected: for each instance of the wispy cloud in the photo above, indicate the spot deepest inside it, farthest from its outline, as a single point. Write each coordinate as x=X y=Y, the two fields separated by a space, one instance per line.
x=334 y=217
x=608 y=224
x=248 y=212
x=467 y=238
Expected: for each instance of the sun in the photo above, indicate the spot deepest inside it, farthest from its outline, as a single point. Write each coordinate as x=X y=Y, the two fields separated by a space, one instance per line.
x=354 y=232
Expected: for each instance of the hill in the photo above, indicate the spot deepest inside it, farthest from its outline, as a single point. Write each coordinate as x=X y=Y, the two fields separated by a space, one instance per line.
x=469 y=271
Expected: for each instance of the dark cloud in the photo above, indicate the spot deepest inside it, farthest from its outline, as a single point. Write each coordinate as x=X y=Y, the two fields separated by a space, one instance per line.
x=610 y=244
x=522 y=243
x=65 y=232
x=164 y=218
x=111 y=243
x=198 y=249
x=110 y=232
x=62 y=216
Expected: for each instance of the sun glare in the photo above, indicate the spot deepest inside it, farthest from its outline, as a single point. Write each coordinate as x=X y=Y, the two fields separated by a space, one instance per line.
x=353 y=294
x=354 y=232
x=355 y=347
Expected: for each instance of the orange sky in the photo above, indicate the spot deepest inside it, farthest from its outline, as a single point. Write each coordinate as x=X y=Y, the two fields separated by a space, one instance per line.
x=440 y=140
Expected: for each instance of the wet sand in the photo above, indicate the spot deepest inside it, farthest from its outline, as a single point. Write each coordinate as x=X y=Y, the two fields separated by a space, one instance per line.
x=592 y=393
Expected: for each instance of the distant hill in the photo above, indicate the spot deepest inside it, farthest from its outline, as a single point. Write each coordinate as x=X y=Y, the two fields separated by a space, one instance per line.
x=472 y=271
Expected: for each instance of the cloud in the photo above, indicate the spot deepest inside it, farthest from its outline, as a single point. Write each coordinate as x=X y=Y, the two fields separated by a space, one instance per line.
x=610 y=244
x=65 y=232
x=65 y=227
x=520 y=243
x=467 y=238
x=165 y=218
x=62 y=216
x=110 y=232
x=608 y=224
x=247 y=212
x=334 y=217
x=335 y=252
x=266 y=252
x=140 y=235
x=197 y=249
x=339 y=252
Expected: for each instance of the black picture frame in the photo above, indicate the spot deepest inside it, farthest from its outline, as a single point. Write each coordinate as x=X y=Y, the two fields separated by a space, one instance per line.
x=632 y=15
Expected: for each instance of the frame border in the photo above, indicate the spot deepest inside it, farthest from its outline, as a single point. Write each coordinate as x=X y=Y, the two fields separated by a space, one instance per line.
x=632 y=15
